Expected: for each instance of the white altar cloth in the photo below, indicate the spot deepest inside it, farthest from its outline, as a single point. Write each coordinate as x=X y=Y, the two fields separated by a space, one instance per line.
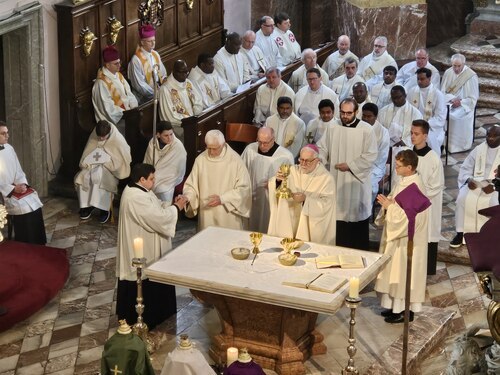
x=204 y=263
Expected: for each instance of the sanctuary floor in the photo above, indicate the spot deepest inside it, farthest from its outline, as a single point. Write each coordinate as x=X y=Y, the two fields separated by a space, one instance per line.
x=67 y=336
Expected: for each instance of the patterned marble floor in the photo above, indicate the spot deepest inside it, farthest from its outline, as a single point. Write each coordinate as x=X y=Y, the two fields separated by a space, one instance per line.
x=67 y=336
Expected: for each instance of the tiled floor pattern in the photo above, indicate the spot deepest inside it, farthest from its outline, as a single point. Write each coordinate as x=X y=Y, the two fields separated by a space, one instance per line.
x=67 y=336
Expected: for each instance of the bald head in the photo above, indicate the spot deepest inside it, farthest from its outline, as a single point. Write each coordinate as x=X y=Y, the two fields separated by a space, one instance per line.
x=421 y=57
x=309 y=58
x=248 y=40
x=343 y=44
x=265 y=139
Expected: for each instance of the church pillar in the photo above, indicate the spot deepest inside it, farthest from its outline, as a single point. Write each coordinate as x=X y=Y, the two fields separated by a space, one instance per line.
x=488 y=21
x=403 y=22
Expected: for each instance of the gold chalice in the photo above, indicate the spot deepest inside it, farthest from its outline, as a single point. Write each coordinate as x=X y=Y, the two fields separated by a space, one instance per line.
x=283 y=191
x=256 y=239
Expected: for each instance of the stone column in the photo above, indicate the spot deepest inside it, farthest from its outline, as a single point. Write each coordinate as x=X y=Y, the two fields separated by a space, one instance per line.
x=403 y=22
x=488 y=21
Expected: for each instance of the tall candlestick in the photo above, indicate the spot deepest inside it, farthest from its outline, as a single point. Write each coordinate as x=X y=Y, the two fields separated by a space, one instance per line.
x=232 y=355
x=354 y=287
x=139 y=247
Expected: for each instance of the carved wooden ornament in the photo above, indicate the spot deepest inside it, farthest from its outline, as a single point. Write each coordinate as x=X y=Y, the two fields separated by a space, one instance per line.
x=151 y=12
x=114 y=29
x=87 y=39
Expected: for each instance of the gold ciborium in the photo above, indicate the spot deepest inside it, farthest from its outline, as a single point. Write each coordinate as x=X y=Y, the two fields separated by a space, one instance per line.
x=283 y=191
x=255 y=239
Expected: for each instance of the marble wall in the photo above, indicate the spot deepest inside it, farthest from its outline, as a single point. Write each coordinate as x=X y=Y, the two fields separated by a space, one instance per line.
x=403 y=25
x=446 y=19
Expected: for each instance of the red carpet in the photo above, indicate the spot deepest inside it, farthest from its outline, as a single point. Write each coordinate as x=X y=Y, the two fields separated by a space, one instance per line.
x=30 y=276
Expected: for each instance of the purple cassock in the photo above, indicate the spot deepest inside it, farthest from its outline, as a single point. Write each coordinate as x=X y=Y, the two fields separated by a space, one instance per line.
x=412 y=201
x=240 y=368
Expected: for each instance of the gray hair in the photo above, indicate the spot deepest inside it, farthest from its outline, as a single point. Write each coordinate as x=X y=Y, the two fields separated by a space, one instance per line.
x=306 y=52
x=381 y=38
x=350 y=60
x=458 y=56
x=273 y=69
x=214 y=136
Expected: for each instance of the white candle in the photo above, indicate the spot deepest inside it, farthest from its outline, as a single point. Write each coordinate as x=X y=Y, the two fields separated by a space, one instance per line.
x=138 y=247
x=353 y=287
x=232 y=355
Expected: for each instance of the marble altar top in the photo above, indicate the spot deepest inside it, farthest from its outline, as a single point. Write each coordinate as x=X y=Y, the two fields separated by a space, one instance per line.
x=204 y=263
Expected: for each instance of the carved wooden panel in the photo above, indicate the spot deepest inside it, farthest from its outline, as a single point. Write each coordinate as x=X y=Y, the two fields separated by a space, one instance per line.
x=212 y=15
x=189 y=21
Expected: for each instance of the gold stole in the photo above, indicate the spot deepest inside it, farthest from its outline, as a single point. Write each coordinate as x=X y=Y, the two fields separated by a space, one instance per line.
x=177 y=101
x=115 y=95
x=146 y=65
x=428 y=103
x=460 y=81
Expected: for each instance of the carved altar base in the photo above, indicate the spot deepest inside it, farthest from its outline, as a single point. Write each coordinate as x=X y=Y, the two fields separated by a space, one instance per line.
x=278 y=338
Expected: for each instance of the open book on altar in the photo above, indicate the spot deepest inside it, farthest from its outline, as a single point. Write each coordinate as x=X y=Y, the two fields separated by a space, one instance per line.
x=321 y=282
x=98 y=156
x=346 y=261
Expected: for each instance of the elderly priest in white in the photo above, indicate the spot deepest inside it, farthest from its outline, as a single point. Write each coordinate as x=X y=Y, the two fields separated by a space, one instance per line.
x=253 y=56
x=476 y=190
x=373 y=64
x=309 y=214
x=168 y=155
x=230 y=64
x=334 y=64
x=218 y=188
x=267 y=96
x=105 y=160
x=460 y=86
x=407 y=75
x=263 y=158
x=299 y=79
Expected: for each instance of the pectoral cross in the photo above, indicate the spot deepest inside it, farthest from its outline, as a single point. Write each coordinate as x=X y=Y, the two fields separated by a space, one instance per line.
x=96 y=157
x=116 y=371
x=310 y=138
x=429 y=102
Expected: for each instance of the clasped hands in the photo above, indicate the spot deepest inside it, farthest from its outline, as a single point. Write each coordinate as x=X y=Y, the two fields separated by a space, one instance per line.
x=20 y=188
x=473 y=185
x=181 y=201
x=384 y=201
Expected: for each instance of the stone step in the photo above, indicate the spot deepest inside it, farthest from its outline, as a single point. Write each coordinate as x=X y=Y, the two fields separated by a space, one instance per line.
x=476 y=48
x=489 y=100
x=489 y=85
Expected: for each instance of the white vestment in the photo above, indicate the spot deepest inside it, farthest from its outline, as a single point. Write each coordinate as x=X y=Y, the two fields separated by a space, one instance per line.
x=298 y=79
x=371 y=67
x=261 y=168
x=256 y=61
x=288 y=46
x=343 y=85
x=231 y=68
x=144 y=88
x=312 y=220
x=480 y=165
x=211 y=87
x=379 y=167
x=111 y=95
x=307 y=101
x=431 y=104
x=408 y=78
x=398 y=121
x=12 y=174
x=334 y=64
x=289 y=132
x=102 y=164
x=357 y=147
x=226 y=176
x=315 y=129
x=359 y=113
x=464 y=86
x=266 y=100
x=170 y=166
x=391 y=281
x=179 y=100
x=381 y=94
x=269 y=48
x=143 y=215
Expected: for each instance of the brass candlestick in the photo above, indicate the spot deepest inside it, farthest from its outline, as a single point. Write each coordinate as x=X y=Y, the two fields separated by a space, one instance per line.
x=140 y=328
x=283 y=191
x=353 y=304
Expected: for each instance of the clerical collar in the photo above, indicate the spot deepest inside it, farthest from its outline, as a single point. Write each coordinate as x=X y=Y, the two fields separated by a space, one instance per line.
x=161 y=144
x=352 y=124
x=136 y=185
x=2 y=147
x=423 y=151
x=271 y=151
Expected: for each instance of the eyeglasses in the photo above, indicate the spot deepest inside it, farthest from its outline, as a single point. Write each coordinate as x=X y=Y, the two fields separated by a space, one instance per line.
x=306 y=162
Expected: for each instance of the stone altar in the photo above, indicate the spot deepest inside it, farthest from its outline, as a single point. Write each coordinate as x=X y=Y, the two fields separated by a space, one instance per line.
x=276 y=322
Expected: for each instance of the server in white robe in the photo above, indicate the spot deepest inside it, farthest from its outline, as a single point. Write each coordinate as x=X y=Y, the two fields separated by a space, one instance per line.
x=144 y=216
x=370 y=113
x=208 y=83
x=381 y=92
x=460 y=86
x=430 y=169
x=286 y=41
x=266 y=99
x=219 y=189
x=105 y=160
x=265 y=41
x=288 y=127
x=373 y=64
x=179 y=98
x=168 y=155
x=299 y=76
x=350 y=149
x=431 y=104
x=111 y=93
x=253 y=56
x=146 y=68
x=360 y=94
x=343 y=84
x=21 y=200
x=391 y=281
x=230 y=64
x=262 y=159
x=308 y=97
x=334 y=64
x=316 y=127
x=310 y=214
x=407 y=75
x=476 y=190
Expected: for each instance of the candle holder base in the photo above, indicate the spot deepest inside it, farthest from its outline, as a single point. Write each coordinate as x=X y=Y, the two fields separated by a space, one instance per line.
x=350 y=369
